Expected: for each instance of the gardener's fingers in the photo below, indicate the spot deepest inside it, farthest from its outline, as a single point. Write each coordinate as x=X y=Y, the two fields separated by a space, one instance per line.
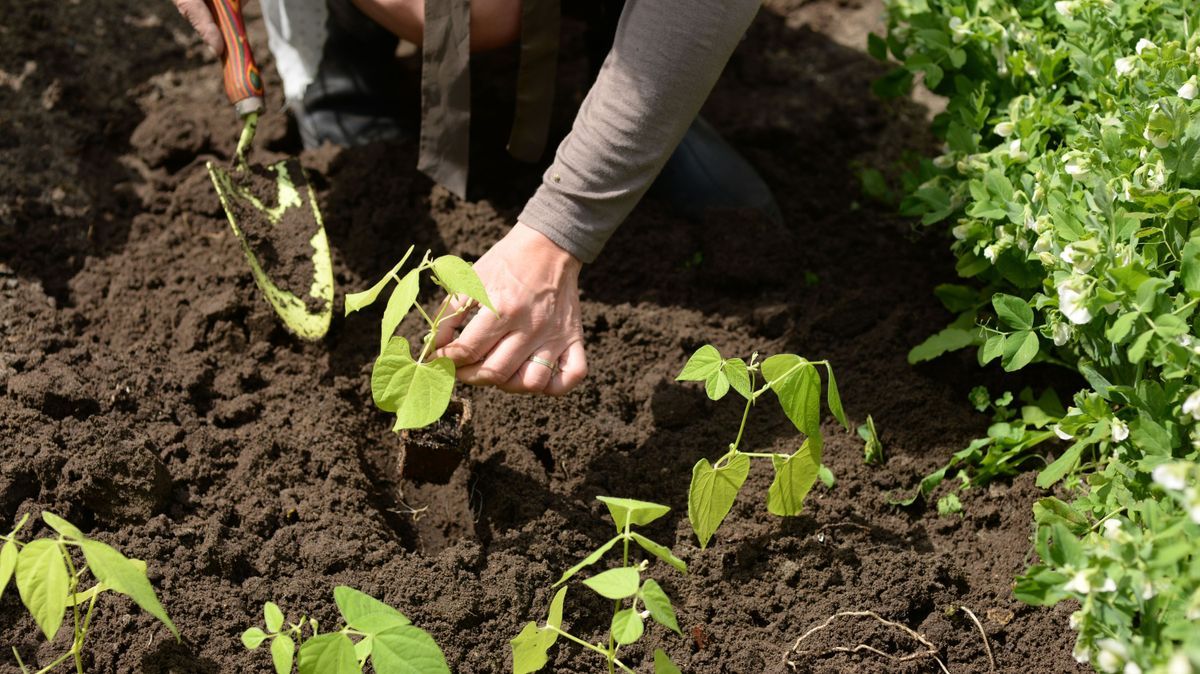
x=198 y=14
x=572 y=369
x=501 y=364
x=476 y=340
x=533 y=376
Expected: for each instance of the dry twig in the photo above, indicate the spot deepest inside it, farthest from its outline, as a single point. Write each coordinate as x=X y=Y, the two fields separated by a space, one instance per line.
x=929 y=652
x=986 y=646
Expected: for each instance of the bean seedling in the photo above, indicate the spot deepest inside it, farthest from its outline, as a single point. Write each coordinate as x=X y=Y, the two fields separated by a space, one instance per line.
x=797 y=384
x=385 y=637
x=621 y=584
x=417 y=390
x=48 y=580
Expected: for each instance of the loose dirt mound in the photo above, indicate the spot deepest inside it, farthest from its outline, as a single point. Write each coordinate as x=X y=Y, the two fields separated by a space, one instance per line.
x=151 y=397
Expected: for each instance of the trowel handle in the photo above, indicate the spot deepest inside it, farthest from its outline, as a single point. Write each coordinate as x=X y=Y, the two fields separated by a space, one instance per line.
x=243 y=84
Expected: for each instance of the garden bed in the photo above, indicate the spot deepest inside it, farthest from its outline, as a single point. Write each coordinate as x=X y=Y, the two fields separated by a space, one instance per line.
x=151 y=397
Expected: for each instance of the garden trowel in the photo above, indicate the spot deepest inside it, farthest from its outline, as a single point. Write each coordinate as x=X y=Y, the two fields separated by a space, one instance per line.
x=272 y=209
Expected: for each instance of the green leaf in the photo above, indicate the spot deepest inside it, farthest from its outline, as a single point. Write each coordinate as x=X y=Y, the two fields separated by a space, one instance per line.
x=405 y=649
x=1019 y=349
x=993 y=348
x=404 y=295
x=8 y=564
x=356 y=301
x=834 y=399
x=949 y=505
x=68 y=530
x=554 y=617
x=659 y=605
x=627 y=626
x=124 y=576
x=663 y=664
x=42 y=583
x=826 y=476
x=529 y=648
x=794 y=478
x=716 y=386
x=949 y=339
x=738 y=375
x=283 y=652
x=253 y=637
x=331 y=653
x=1061 y=466
x=797 y=384
x=588 y=561
x=1120 y=328
x=1189 y=271
x=460 y=278
x=1137 y=351
x=632 y=511
x=365 y=613
x=417 y=392
x=1014 y=311
x=702 y=364
x=615 y=583
x=877 y=48
x=712 y=493
x=272 y=616
x=872 y=447
x=661 y=551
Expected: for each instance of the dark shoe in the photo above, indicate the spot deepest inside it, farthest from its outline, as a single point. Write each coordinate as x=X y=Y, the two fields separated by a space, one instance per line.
x=354 y=98
x=706 y=173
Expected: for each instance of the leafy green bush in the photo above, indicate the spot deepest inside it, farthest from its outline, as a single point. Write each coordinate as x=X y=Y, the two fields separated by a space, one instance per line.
x=417 y=390
x=49 y=580
x=623 y=583
x=797 y=384
x=386 y=638
x=1069 y=179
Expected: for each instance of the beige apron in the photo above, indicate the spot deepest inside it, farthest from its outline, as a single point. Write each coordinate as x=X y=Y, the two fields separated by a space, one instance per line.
x=446 y=87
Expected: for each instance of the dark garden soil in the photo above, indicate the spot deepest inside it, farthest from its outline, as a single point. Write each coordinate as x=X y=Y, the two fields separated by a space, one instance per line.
x=150 y=396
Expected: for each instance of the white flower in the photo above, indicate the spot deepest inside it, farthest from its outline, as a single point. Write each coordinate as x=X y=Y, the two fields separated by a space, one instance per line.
x=1065 y=7
x=1132 y=668
x=958 y=33
x=1192 y=405
x=1062 y=333
x=1072 y=303
x=1079 y=583
x=1124 y=65
x=944 y=161
x=1172 y=476
x=1015 y=151
x=1113 y=655
x=1179 y=664
x=1062 y=435
x=1112 y=529
x=1109 y=585
x=1144 y=44
x=1161 y=139
x=1005 y=129
x=960 y=231
x=1081 y=655
x=1075 y=619
x=1043 y=243
x=1081 y=260
x=1188 y=90
x=1194 y=513
x=991 y=252
x=1075 y=164
x=1120 y=431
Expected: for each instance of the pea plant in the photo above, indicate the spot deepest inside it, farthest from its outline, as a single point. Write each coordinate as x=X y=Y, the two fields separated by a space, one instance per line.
x=387 y=639
x=796 y=383
x=634 y=600
x=417 y=389
x=51 y=580
x=1069 y=185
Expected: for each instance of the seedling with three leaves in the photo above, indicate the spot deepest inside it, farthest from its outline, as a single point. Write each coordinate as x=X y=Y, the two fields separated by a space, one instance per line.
x=419 y=389
x=621 y=584
x=385 y=636
x=50 y=582
x=796 y=382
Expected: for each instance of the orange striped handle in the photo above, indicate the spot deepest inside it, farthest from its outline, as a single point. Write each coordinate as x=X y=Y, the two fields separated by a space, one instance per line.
x=243 y=84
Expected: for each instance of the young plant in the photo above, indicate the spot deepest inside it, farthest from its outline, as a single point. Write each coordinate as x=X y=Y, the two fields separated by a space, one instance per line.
x=385 y=637
x=796 y=382
x=417 y=390
x=621 y=584
x=49 y=580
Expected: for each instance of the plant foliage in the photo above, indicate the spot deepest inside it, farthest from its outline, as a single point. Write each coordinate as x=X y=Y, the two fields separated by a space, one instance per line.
x=1069 y=181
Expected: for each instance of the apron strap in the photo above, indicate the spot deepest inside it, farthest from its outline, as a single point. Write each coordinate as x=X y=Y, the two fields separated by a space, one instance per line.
x=540 y=21
x=446 y=93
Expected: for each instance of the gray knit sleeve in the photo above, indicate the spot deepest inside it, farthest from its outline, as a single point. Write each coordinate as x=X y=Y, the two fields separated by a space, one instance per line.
x=665 y=59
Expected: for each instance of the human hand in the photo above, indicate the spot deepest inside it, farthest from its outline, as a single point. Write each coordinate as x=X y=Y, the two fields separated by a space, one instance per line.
x=198 y=14
x=534 y=285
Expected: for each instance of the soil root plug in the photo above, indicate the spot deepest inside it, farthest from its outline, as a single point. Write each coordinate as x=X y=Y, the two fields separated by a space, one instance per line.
x=930 y=650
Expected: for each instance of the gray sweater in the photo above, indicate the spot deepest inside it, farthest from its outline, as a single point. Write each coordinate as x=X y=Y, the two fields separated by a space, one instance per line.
x=665 y=59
